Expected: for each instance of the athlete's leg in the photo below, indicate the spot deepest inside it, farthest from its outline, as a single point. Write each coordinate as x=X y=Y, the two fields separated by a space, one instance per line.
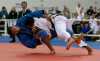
x=45 y=37
x=82 y=44
x=69 y=43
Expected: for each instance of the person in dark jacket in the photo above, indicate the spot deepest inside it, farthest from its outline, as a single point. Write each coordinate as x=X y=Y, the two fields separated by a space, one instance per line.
x=24 y=10
x=12 y=13
x=3 y=13
x=90 y=11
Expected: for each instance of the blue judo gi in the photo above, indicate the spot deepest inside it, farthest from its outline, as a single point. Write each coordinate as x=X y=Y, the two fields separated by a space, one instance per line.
x=26 y=35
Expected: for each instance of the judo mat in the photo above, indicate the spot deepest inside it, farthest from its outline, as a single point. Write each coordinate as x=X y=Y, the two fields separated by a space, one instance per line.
x=18 y=52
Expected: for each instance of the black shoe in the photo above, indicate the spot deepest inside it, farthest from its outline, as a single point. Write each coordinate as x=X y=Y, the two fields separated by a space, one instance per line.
x=13 y=41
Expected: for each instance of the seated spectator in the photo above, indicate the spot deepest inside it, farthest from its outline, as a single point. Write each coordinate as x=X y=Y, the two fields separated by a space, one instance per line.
x=93 y=24
x=98 y=23
x=98 y=31
x=86 y=29
x=76 y=27
x=12 y=13
x=3 y=13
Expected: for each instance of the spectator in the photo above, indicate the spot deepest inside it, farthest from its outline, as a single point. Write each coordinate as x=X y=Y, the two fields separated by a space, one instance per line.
x=24 y=10
x=13 y=14
x=86 y=29
x=95 y=11
x=76 y=24
x=76 y=27
x=81 y=15
x=80 y=12
x=66 y=12
x=3 y=13
x=90 y=11
x=98 y=23
x=98 y=14
x=98 y=32
x=93 y=24
x=78 y=9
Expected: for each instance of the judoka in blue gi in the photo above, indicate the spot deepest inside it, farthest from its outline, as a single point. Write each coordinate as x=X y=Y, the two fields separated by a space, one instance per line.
x=26 y=31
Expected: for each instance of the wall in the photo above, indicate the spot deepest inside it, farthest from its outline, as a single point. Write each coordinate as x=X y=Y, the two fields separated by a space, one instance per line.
x=49 y=3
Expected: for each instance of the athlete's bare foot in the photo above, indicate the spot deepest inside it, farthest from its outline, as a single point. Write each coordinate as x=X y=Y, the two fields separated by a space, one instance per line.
x=88 y=49
x=52 y=52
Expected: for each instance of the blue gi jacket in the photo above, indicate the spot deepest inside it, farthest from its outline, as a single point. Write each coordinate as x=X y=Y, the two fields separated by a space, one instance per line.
x=21 y=22
x=26 y=34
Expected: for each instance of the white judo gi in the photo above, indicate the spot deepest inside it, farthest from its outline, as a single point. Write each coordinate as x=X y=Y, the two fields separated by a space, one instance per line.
x=60 y=26
x=43 y=24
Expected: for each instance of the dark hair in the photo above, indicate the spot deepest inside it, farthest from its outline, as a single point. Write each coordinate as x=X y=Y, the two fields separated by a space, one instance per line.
x=3 y=7
x=24 y=2
x=30 y=22
x=86 y=22
x=42 y=11
x=91 y=7
x=58 y=12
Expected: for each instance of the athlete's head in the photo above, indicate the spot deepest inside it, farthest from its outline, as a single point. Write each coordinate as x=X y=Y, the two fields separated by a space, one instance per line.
x=45 y=12
x=30 y=22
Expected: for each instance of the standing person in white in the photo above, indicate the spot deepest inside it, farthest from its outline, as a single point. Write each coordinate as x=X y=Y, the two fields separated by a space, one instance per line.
x=80 y=12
